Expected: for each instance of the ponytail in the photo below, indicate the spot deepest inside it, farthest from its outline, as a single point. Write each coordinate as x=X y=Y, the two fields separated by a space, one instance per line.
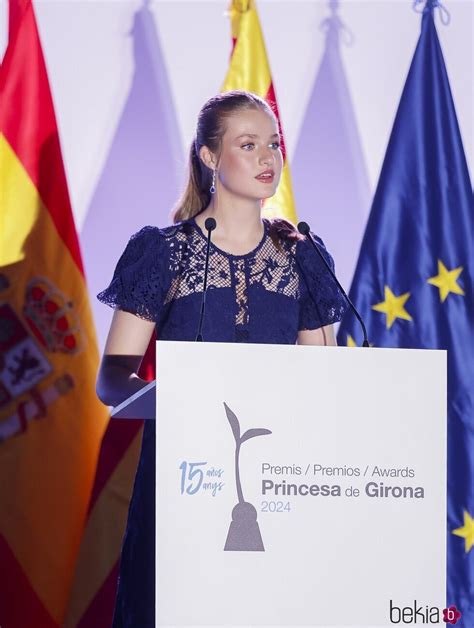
x=283 y=230
x=196 y=195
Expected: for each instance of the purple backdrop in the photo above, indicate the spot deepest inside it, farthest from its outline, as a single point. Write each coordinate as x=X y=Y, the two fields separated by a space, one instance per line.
x=144 y=169
x=329 y=175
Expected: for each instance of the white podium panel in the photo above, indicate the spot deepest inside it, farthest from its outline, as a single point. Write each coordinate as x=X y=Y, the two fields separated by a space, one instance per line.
x=299 y=485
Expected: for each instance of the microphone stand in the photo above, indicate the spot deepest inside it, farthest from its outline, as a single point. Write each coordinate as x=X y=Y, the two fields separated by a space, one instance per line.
x=304 y=229
x=210 y=225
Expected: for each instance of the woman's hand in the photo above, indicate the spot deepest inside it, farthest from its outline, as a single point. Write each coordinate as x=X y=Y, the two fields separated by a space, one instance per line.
x=127 y=342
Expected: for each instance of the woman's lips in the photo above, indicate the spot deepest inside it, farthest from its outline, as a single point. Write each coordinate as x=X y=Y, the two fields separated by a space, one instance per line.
x=266 y=179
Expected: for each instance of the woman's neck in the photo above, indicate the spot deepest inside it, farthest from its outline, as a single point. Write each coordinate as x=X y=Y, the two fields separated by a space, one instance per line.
x=235 y=221
x=239 y=226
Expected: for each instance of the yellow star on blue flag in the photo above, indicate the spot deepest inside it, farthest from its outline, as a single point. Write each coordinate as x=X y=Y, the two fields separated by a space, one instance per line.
x=393 y=307
x=467 y=531
x=446 y=281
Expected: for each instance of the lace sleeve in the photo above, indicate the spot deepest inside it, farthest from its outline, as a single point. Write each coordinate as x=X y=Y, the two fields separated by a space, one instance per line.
x=139 y=278
x=321 y=301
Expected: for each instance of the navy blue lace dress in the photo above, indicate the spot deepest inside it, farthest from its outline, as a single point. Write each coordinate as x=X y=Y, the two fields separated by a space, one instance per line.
x=265 y=296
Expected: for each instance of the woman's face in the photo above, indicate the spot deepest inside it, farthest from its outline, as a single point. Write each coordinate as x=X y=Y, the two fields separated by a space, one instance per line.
x=250 y=146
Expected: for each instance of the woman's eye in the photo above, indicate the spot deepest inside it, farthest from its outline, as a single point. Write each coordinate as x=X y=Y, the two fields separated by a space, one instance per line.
x=275 y=144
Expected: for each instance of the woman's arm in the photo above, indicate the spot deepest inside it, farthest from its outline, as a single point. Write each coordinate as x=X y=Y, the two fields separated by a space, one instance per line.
x=126 y=345
x=321 y=336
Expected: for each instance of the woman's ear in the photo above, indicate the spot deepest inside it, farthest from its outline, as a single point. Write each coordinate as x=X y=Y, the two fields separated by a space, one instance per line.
x=207 y=157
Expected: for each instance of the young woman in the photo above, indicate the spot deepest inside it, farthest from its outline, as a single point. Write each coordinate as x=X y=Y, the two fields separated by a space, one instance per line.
x=265 y=284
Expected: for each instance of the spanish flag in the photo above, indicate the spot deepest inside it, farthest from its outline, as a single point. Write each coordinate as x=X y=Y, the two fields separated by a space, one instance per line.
x=51 y=422
x=249 y=70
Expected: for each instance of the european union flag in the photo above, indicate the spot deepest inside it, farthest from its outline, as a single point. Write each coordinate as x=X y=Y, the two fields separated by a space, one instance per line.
x=413 y=282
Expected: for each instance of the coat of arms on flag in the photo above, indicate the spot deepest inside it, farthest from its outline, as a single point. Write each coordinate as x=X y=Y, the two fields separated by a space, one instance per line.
x=49 y=325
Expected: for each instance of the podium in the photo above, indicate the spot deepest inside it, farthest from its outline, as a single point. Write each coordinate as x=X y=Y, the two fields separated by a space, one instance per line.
x=298 y=485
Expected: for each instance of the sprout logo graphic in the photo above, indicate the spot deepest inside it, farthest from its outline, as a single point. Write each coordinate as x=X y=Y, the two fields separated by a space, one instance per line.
x=244 y=533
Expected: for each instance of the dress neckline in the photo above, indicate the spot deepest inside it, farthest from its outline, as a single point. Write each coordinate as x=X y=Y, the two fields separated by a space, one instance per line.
x=226 y=253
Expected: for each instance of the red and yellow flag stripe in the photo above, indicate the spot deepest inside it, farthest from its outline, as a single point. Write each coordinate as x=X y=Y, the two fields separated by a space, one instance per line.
x=249 y=70
x=93 y=594
x=51 y=422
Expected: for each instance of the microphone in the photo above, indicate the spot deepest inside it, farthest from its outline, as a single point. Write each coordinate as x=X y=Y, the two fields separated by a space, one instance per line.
x=210 y=225
x=304 y=229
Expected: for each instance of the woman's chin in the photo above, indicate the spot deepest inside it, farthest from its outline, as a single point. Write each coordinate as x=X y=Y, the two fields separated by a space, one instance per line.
x=270 y=194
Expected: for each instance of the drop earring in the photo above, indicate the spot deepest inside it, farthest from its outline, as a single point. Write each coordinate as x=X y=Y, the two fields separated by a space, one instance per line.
x=212 y=189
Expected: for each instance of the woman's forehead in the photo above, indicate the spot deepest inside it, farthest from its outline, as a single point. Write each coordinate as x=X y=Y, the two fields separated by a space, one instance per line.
x=253 y=122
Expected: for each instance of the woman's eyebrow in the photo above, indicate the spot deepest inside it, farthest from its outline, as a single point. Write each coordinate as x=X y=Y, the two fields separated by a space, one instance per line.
x=254 y=135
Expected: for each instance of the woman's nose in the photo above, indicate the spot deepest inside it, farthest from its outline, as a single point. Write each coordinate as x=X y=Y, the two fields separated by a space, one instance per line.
x=266 y=156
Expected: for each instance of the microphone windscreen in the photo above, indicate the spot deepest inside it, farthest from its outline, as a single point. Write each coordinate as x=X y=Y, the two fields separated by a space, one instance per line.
x=210 y=224
x=303 y=228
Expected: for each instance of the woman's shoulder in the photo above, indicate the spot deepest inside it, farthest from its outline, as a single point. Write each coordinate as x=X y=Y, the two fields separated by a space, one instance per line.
x=177 y=230
x=152 y=232
x=284 y=235
x=153 y=236
x=283 y=229
x=287 y=235
x=306 y=246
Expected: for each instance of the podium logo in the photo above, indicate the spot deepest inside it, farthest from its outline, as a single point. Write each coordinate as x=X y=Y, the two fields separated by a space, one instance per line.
x=422 y=614
x=244 y=532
